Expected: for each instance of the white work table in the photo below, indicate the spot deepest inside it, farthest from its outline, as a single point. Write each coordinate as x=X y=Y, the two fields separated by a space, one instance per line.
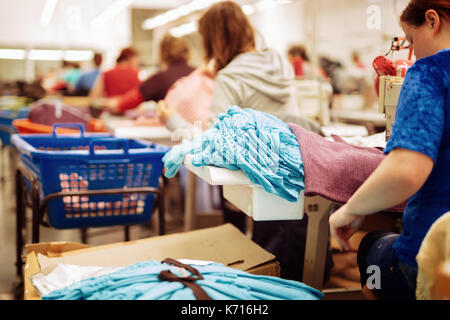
x=360 y=116
x=261 y=206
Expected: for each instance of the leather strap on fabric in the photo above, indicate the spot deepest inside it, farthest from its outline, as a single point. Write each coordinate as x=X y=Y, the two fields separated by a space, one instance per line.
x=167 y=275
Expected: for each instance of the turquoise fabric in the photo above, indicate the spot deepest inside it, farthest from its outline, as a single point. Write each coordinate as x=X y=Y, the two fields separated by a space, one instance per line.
x=259 y=144
x=140 y=282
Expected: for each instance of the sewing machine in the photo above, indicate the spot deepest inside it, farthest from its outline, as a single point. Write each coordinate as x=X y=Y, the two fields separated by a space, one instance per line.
x=391 y=76
x=390 y=87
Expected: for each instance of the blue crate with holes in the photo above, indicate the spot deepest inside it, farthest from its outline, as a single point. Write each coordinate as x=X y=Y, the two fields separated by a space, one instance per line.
x=82 y=162
x=6 y=126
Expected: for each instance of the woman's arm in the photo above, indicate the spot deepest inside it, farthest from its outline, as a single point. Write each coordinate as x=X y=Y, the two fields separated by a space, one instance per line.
x=399 y=176
x=97 y=90
x=129 y=100
x=412 y=149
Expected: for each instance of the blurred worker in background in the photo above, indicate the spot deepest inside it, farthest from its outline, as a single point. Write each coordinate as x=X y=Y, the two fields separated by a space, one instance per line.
x=174 y=56
x=299 y=59
x=87 y=80
x=121 y=79
x=356 y=59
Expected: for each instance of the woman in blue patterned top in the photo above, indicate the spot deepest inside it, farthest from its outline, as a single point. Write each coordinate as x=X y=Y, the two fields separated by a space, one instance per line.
x=417 y=165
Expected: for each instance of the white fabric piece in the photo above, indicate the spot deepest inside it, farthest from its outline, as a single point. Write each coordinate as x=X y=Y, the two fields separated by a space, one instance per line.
x=374 y=141
x=64 y=275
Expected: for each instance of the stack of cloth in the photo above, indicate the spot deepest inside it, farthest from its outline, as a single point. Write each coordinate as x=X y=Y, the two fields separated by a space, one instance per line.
x=51 y=112
x=174 y=280
x=259 y=144
x=336 y=169
x=283 y=158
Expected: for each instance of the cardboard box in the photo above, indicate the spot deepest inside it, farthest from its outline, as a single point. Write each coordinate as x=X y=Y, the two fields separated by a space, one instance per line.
x=223 y=244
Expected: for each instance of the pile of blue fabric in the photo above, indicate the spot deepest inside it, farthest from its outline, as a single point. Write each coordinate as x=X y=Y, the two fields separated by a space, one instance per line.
x=140 y=281
x=260 y=145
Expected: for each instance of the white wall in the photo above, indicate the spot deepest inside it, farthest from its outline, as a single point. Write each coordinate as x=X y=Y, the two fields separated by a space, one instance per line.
x=281 y=26
x=343 y=27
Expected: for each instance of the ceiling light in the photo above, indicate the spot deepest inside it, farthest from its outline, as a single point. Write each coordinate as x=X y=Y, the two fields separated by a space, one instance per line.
x=184 y=29
x=45 y=55
x=110 y=12
x=78 y=55
x=265 y=5
x=174 y=14
x=14 y=54
x=248 y=9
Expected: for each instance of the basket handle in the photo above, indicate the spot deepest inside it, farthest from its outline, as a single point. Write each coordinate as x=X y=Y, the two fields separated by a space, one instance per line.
x=68 y=125
x=106 y=142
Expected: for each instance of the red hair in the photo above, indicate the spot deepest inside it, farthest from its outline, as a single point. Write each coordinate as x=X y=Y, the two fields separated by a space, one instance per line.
x=126 y=54
x=226 y=32
x=414 y=13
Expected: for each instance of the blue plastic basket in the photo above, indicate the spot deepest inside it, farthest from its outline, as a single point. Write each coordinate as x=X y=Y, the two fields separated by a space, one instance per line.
x=6 y=127
x=67 y=163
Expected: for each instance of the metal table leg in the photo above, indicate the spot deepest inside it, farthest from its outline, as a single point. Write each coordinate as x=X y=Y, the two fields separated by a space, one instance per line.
x=127 y=233
x=190 y=197
x=35 y=207
x=20 y=222
x=161 y=213
x=2 y=163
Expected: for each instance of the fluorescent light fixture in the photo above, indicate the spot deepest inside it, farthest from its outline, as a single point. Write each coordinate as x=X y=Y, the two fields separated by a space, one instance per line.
x=174 y=14
x=45 y=55
x=110 y=12
x=47 y=12
x=13 y=54
x=184 y=29
x=265 y=5
x=78 y=55
x=248 y=9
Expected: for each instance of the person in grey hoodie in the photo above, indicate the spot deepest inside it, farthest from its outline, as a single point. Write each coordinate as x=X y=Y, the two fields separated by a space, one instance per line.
x=257 y=79
x=244 y=76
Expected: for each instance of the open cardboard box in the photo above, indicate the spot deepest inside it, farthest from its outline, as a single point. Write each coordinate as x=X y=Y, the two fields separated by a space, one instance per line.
x=223 y=244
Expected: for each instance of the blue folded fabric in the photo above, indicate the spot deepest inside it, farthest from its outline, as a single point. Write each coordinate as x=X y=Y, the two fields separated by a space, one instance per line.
x=259 y=144
x=140 y=282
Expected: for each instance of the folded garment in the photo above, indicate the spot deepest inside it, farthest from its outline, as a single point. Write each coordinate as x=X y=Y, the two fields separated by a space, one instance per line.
x=335 y=169
x=259 y=144
x=49 y=113
x=144 y=281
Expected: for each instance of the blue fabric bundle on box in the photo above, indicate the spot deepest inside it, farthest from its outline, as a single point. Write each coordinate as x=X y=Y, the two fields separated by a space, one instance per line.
x=141 y=281
x=260 y=145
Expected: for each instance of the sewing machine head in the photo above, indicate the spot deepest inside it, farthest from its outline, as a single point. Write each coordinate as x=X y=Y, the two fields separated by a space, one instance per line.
x=388 y=99
x=390 y=75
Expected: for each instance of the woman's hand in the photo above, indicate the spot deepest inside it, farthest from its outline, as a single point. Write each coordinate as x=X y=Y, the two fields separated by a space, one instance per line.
x=112 y=105
x=164 y=111
x=106 y=104
x=343 y=225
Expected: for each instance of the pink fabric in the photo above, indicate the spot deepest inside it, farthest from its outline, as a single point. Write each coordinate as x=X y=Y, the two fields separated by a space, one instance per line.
x=335 y=169
x=191 y=97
